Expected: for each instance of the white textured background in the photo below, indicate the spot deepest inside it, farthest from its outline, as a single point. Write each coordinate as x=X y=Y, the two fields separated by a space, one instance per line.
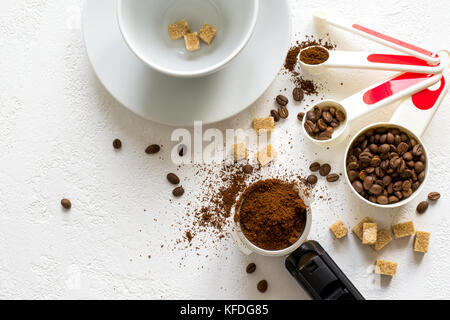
x=57 y=124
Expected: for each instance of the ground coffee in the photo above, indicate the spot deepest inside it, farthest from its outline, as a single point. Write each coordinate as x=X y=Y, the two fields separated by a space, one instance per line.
x=272 y=215
x=314 y=55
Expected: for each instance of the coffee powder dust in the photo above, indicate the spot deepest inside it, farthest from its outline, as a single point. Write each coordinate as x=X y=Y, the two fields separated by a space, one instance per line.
x=309 y=87
x=272 y=215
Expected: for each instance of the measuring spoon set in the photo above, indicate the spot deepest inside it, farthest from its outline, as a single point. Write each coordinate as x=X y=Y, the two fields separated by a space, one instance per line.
x=422 y=86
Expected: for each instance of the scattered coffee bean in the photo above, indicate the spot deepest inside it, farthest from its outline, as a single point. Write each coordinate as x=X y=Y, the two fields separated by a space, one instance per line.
x=282 y=100
x=283 y=112
x=300 y=116
x=312 y=179
x=262 y=286
x=321 y=122
x=152 y=149
x=385 y=165
x=251 y=268
x=248 y=169
x=275 y=115
x=422 y=207
x=117 y=144
x=332 y=177
x=178 y=191
x=173 y=178
x=66 y=203
x=324 y=169
x=297 y=93
x=434 y=196
x=315 y=166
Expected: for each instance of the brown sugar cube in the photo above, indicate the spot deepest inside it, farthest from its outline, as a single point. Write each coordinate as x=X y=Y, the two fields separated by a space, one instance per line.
x=266 y=155
x=358 y=229
x=421 y=241
x=339 y=229
x=403 y=229
x=369 y=233
x=207 y=33
x=178 y=29
x=263 y=124
x=240 y=151
x=191 y=41
x=387 y=268
x=383 y=238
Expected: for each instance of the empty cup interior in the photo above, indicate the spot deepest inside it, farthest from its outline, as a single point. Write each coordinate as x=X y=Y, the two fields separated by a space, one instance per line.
x=144 y=25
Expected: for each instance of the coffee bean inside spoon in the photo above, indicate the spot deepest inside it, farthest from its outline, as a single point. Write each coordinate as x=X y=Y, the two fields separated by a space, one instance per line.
x=328 y=122
x=317 y=59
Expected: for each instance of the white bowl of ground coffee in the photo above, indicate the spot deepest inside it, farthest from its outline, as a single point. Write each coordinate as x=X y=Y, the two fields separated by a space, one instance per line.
x=273 y=218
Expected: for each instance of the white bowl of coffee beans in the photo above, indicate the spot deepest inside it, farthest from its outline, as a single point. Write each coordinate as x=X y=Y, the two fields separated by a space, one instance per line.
x=386 y=165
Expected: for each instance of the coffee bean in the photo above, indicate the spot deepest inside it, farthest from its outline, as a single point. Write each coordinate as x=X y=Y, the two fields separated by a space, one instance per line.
x=417 y=150
x=368 y=182
x=407 y=193
x=327 y=116
x=353 y=165
x=322 y=125
x=315 y=166
x=352 y=175
x=282 y=100
x=251 y=268
x=311 y=116
x=312 y=179
x=283 y=112
x=117 y=144
x=300 y=116
x=419 y=166
x=152 y=149
x=324 y=169
x=384 y=148
x=173 y=178
x=340 y=116
x=178 y=191
x=357 y=185
x=434 y=196
x=392 y=199
x=376 y=189
x=422 y=207
x=382 y=199
x=248 y=169
x=66 y=203
x=332 y=177
x=275 y=115
x=402 y=148
x=262 y=286
x=297 y=93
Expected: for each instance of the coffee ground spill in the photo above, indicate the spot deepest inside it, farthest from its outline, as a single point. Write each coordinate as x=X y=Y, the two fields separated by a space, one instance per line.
x=208 y=218
x=290 y=65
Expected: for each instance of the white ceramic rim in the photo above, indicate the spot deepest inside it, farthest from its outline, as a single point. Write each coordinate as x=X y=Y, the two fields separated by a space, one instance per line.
x=415 y=193
x=277 y=253
x=198 y=73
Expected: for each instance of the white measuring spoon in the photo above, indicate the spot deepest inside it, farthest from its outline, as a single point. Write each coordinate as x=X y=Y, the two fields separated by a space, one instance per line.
x=367 y=60
x=371 y=99
x=323 y=16
x=412 y=117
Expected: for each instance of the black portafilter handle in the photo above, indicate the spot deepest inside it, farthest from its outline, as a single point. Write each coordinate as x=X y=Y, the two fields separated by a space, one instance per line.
x=319 y=275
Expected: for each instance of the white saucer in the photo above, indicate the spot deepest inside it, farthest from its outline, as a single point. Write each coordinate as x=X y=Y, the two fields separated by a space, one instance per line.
x=176 y=101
